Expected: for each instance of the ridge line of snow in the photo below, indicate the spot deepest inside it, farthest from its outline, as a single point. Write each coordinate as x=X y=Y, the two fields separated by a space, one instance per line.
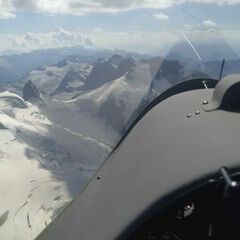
x=95 y=141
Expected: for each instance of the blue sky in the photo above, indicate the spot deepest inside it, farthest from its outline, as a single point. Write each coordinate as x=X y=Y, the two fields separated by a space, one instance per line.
x=94 y=18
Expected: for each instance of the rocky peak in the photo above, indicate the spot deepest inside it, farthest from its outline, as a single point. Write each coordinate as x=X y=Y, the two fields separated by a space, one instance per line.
x=127 y=64
x=116 y=59
x=30 y=91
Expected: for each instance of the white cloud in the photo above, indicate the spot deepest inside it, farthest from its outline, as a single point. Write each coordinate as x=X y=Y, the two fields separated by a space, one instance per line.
x=6 y=15
x=9 y=8
x=209 y=23
x=56 y=39
x=161 y=16
x=6 y=9
x=98 y=30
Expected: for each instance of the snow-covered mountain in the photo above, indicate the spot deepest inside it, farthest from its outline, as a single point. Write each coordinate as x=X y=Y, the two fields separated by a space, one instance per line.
x=115 y=102
x=72 y=81
x=51 y=147
x=46 y=165
x=106 y=71
x=15 y=67
x=60 y=79
x=104 y=94
x=73 y=76
x=61 y=118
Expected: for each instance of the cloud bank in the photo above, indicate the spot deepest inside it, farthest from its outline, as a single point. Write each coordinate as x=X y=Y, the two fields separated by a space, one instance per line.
x=9 y=8
x=58 y=38
x=161 y=16
x=97 y=38
x=209 y=23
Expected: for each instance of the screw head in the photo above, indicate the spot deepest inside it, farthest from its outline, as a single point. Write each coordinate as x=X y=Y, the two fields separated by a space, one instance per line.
x=99 y=177
x=197 y=112
x=234 y=184
x=205 y=102
x=189 y=115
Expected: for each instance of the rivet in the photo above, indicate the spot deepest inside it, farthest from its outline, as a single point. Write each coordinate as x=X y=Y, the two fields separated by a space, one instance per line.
x=99 y=177
x=189 y=115
x=205 y=102
x=233 y=184
x=197 y=112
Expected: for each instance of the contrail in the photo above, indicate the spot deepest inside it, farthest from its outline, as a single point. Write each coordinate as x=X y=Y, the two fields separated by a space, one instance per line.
x=194 y=17
x=194 y=49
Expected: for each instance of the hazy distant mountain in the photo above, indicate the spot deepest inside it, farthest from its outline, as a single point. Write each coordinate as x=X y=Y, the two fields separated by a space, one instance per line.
x=193 y=57
x=6 y=75
x=6 y=72
x=26 y=62
x=9 y=52
x=20 y=65
x=197 y=49
x=213 y=68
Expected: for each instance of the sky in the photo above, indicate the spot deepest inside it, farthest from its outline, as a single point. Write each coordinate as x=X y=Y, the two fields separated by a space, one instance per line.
x=136 y=25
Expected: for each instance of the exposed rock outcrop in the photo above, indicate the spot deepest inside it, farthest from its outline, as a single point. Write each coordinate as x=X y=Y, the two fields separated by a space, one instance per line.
x=30 y=91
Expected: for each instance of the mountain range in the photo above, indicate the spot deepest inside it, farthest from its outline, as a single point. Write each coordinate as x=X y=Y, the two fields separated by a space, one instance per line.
x=62 y=111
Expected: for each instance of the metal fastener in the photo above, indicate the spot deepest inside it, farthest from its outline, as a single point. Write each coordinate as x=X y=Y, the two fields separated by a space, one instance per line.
x=204 y=82
x=205 y=102
x=197 y=112
x=99 y=177
x=189 y=115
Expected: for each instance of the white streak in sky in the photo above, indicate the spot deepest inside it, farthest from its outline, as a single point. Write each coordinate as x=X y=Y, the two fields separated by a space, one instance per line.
x=194 y=49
